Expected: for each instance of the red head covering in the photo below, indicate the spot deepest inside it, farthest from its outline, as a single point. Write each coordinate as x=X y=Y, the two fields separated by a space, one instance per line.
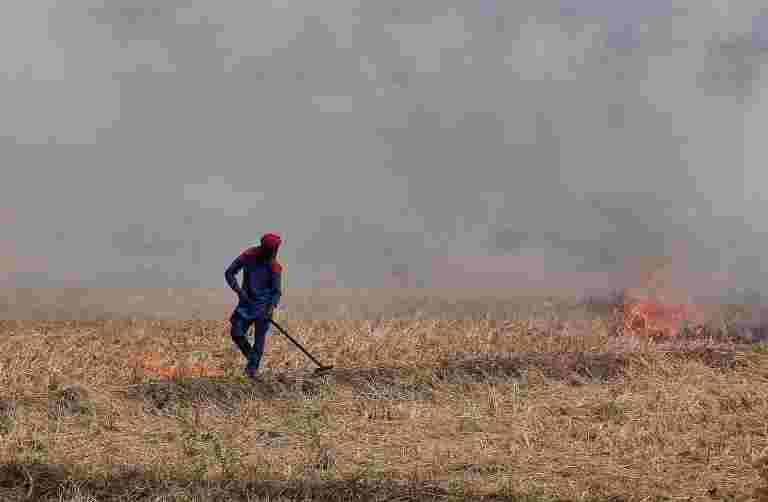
x=267 y=251
x=271 y=241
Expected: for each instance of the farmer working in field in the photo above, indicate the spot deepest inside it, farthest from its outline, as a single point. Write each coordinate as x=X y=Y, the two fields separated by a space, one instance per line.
x=259 y=295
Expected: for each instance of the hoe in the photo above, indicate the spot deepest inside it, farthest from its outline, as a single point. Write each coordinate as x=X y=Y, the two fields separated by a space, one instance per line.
x=318 y=371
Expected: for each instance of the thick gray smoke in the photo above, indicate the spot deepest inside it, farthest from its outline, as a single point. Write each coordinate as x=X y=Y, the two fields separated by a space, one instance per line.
x=145 y=144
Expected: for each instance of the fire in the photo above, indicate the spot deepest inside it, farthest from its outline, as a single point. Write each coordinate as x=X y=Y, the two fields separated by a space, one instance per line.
x=646 y=311
x=651 y=317
x=153 y=363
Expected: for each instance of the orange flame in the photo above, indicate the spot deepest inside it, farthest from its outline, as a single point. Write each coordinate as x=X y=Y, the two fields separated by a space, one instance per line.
x=153 y=363
x=645 y=311
x=652 y=317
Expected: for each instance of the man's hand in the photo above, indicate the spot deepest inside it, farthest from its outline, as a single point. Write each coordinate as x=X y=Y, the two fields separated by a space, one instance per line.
x=270 y=311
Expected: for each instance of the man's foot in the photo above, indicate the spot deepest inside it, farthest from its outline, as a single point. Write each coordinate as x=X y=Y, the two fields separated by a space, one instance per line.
x=251 y=373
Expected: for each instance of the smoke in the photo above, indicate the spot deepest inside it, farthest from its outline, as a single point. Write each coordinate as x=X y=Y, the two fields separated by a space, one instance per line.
x=552 y=141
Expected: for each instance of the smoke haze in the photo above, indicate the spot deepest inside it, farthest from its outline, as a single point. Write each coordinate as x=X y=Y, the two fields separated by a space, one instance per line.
x=146 y=144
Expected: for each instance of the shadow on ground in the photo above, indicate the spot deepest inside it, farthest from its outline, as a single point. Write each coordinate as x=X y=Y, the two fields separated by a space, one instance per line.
x=223 y=395
x=42 y=482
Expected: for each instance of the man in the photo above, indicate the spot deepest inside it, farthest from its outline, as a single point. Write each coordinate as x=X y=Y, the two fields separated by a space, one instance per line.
x=259 y=295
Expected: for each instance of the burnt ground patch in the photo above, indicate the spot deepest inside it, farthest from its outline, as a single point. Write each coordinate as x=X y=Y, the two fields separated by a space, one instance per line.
x=163 y=397
x=44 y=482
x=712 y=358
x=223 y=395
x=744 y=334
x=166 y=397
x=574 y=367
x=385 y=383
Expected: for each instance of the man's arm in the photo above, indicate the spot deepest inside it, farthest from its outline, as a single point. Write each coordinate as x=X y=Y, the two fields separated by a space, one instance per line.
x=277 y=278
x=231 y=276
x=277 y=291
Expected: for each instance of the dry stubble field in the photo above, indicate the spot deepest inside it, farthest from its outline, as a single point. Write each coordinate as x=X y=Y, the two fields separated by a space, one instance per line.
x=552 y=406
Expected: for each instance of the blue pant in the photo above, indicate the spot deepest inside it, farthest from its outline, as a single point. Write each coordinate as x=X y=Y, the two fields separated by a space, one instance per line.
x=239 y=333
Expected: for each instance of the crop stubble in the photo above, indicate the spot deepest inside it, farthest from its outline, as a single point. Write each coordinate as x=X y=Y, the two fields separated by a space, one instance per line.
x=476 y=406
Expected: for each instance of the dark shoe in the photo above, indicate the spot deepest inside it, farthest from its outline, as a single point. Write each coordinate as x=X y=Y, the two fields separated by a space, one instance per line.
x=251 y=373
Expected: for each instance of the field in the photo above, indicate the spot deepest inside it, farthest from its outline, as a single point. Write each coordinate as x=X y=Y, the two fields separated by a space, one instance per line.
x=433 y=397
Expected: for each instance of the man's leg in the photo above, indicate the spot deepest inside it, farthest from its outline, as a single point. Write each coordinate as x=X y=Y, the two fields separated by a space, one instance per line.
x=261 y=327
x=239 y=334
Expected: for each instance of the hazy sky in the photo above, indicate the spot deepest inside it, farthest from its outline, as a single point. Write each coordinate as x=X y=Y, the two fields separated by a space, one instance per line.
x=147 y=144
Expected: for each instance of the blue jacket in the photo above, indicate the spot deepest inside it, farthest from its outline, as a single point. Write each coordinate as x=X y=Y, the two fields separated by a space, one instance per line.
x=261 y=287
